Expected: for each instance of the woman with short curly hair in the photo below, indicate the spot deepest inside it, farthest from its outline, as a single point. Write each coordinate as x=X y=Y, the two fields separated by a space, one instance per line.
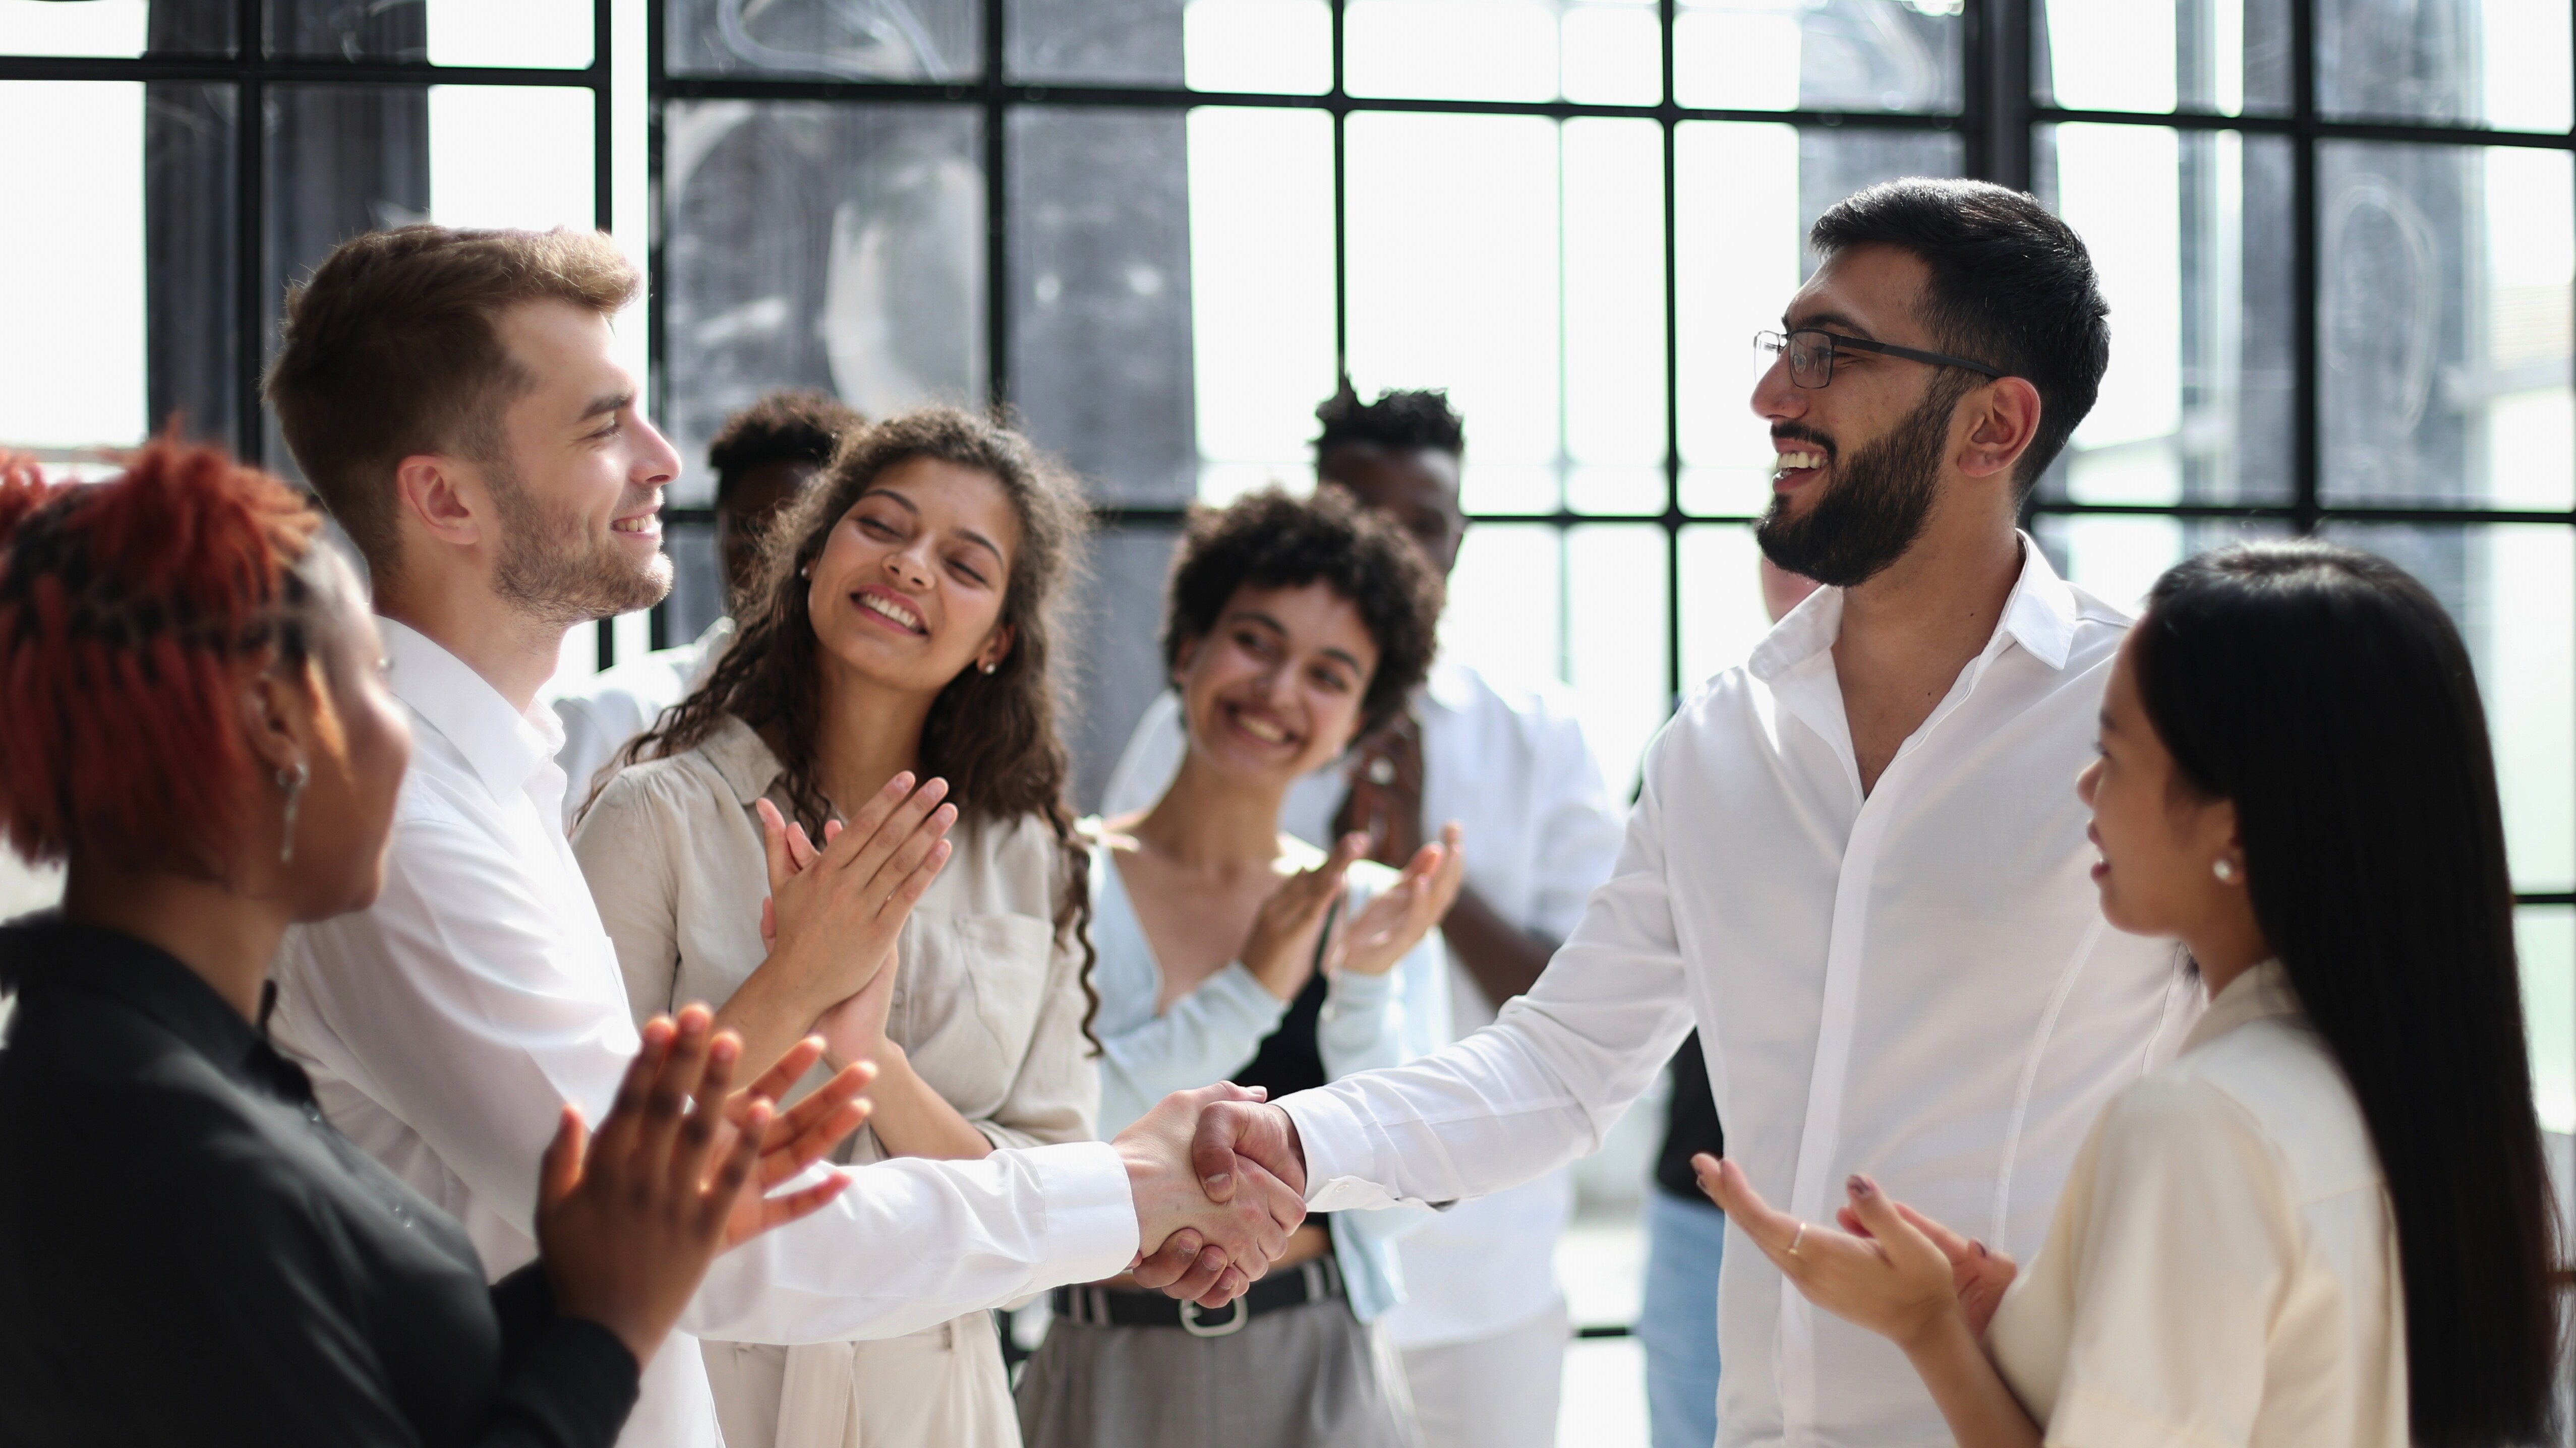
x=1230 y=950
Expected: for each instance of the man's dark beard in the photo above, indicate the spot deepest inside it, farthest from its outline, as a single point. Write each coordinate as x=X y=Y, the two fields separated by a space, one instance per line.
x=1874 y=507
x=547 y=571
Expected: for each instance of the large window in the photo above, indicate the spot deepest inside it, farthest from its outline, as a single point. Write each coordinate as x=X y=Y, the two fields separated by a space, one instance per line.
x=2338 y=238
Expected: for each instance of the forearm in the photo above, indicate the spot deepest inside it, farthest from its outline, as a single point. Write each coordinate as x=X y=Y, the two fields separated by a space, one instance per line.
x=1504 y=959
x=768 y=1017
x=1974 y=1399
x=911 y=1119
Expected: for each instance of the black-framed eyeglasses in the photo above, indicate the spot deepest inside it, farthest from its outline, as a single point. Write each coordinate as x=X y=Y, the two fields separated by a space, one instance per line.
x=1811 y=354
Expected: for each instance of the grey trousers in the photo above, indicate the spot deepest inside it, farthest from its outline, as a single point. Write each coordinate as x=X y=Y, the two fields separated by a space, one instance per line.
x=1301 y=1377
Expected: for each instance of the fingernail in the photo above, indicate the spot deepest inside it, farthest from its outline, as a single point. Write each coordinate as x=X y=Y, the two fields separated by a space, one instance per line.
x=1981 y=1248
x=1860 y=1185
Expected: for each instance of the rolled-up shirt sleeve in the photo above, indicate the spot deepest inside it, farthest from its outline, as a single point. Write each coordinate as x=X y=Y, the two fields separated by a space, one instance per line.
x=1536 y=1089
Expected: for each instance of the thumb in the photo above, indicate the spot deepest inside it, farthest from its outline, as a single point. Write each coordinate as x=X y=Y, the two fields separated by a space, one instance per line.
x=1212 y=1150
x=559 y=1171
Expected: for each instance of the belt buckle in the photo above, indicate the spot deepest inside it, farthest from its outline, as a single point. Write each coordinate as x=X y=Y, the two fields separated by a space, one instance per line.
x=1228 y=1328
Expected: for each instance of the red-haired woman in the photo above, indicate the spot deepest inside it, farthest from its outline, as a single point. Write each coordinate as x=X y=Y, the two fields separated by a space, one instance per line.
x=189 y=1253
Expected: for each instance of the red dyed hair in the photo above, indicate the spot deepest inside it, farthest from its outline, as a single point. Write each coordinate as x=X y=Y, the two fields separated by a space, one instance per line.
x=129 y=612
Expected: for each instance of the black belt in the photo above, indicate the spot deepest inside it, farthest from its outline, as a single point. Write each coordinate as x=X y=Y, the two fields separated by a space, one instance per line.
x=1316 y=1279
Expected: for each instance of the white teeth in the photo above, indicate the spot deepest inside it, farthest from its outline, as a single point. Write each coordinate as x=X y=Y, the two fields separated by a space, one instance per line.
x=1262 y=729
x=891 y=609
x=643 y=524
x=1790 y=460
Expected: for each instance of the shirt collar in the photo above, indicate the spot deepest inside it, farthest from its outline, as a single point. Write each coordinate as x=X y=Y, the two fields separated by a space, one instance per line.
x=742 y=759
x=505 y=747
x=2264 y=990
x=48 y=952
x=2039 y=614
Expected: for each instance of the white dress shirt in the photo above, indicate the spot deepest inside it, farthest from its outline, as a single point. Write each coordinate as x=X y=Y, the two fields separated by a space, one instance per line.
x=1916 y=983
x=2223 y=1269
x=1511 y=766
x=601 y=713
x=446 y=1025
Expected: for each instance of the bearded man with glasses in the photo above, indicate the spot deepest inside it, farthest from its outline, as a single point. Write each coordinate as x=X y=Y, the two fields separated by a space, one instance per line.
x=1857 y=862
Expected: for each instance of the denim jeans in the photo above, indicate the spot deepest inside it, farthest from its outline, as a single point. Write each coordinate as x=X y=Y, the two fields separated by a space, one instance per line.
x=1685 y=1239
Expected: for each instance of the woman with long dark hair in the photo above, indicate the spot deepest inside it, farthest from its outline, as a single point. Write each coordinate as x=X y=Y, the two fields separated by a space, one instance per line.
x=198 y=723
x=902 y=629
x=2329 y=1221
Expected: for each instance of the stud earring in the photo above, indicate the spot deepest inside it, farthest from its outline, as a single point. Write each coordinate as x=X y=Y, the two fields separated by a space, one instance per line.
x=293 y=782
x=2224 y=870
x=989 y=668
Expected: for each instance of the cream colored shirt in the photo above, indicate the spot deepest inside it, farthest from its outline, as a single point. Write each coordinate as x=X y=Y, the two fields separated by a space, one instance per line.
x=989 y=1004
x=2223 y=1266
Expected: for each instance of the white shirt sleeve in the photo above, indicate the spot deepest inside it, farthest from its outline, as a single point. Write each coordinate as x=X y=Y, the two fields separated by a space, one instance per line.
x=1541 y=1086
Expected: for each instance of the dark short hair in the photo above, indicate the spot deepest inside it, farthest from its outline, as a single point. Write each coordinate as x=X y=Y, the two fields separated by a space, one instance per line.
x=793 y=426
x=1271 y=539
x=1408 y=421
x=2012 y=287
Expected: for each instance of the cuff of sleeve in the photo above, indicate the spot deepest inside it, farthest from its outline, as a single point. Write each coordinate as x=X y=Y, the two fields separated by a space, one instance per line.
x=1091 y=1228
x=1335 y=1139
x=1354 y=990
x=1236 y=996
x=576 y=1384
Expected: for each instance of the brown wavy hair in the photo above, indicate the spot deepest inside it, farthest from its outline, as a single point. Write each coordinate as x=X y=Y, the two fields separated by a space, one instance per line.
x=993 y=737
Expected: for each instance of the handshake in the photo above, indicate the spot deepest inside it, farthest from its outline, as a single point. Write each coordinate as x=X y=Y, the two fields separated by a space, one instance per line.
x=1220 y=1182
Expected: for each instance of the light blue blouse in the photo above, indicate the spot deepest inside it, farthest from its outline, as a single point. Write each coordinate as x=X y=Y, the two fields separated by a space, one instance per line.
x=1368 y=1021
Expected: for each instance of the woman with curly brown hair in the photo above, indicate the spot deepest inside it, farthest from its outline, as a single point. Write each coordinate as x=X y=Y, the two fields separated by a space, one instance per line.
x=1230 y=949
x=901 y=630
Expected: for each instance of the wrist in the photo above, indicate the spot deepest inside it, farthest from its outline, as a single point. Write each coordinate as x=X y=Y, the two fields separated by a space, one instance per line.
x=1938 y=1340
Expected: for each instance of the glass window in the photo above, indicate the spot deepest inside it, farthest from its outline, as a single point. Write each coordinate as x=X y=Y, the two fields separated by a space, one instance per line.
x=72 y=373
x=1817 y=55
x=2198 y=403
x=2512 y=590
x=915 y=40
x=538 y=33
x=1100 y=297
x=2231 y=57
x=2117 y=557
x=2545 y=936
x=2502 y=63
x=1504 y=50
x=1617 y=580
x=1134 y=42
x=1281 y=46
x=1261 y=291
x=1723 y=617
x=101 y=27
x=2444 y=312
x=814 y=245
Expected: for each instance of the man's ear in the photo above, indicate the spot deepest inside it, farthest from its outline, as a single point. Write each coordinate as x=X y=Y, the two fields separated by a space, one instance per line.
x=444 y=495
x=2005 y=420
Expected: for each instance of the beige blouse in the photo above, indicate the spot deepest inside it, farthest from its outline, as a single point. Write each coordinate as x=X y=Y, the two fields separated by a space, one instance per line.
x=989 y=1004
x=2222 y=1268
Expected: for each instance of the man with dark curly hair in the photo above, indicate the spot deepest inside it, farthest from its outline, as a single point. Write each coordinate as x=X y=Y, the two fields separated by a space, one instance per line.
x=1483 y=1331
x=763 y=458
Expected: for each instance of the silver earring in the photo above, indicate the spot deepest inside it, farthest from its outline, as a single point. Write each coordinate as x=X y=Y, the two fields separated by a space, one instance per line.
x=988 y=668
x=804 y=570
x=2223 y=869
x=293 y=782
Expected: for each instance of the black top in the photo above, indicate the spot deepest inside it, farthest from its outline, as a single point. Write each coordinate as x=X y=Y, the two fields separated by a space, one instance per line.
x=190 y=1254
x=1290 y=1058
x=1690 y=1123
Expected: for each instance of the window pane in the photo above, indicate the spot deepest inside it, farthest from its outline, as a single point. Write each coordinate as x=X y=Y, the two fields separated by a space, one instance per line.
x=1818 y=55
x=1131 y=42
x=2228 y=56
x=1616 y=581
x=1746 y=194
x=2443 y=320
x=1722 y=612
x=191 y=241
x=1261 y=291
x=1284 y=46
x=1504 y=50
x=2503 y=63
x=502 y=155
x=100 y=27
x=2197 y=404
x=1454 y=282
x=2512 y=590
x=73 y=372
x=2545 y=937
x=1613 y=183
x=1115 y=656
x=2117 y=557
x=931 y=40
x=1506 y=602
x=1100 y=297
x=554 y=34
x=836 y=247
